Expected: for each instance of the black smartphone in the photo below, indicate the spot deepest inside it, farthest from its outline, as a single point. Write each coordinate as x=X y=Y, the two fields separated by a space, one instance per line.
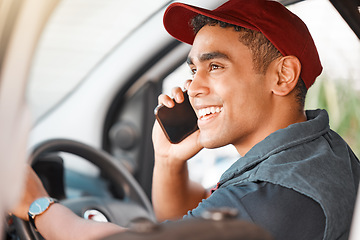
x=177 y=122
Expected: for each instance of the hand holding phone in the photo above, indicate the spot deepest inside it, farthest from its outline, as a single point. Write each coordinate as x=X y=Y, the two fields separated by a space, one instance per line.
x=177 y=122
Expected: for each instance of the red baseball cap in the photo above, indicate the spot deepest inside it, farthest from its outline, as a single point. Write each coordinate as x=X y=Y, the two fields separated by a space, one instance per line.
x=286 y=31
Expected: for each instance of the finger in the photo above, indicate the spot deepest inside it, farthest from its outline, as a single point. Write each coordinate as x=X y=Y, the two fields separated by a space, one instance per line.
x=178 y=94
x=166 y=101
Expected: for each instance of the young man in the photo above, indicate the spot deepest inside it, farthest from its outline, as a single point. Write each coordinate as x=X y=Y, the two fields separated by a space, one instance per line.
x=252 y=62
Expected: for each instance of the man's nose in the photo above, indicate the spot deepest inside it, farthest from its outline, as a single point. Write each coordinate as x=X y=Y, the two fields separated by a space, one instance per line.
x=198 y=86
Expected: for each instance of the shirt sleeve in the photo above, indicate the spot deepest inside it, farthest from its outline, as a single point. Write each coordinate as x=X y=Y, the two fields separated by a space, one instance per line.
x=285 y=213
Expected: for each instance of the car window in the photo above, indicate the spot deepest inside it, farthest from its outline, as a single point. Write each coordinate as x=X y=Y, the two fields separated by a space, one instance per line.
x=336 y=89
x=79 y=34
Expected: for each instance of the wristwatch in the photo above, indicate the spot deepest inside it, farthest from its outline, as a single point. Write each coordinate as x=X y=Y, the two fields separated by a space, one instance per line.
x=38 y=207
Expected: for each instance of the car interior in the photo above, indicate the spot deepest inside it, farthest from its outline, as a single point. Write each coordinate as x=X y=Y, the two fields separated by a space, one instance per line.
x=92 y=82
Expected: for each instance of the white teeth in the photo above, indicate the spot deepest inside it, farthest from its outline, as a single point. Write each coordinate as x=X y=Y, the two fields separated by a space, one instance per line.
x=209 y=110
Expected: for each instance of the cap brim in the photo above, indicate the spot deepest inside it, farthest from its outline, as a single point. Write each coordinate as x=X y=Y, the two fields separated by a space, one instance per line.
x=178 y=16
x=177 y=19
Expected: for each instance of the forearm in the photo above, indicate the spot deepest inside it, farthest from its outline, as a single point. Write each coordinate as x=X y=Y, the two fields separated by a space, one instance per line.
x=58 y=222
x=173 y=194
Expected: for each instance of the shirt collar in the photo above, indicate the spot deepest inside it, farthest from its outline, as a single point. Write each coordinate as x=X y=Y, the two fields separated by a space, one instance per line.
x=295 y=134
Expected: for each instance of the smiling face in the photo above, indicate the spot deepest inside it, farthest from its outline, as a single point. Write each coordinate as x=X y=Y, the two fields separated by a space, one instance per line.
x=231 y=99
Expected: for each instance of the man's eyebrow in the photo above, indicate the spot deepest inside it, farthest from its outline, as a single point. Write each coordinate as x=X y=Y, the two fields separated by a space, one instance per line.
x=208 y=56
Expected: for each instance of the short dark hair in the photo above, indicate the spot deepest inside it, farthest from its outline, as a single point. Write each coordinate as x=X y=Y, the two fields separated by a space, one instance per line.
x=300 y=92
x=263 y=51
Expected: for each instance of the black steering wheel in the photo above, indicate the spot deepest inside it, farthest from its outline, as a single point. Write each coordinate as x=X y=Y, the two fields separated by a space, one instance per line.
x=136 y=205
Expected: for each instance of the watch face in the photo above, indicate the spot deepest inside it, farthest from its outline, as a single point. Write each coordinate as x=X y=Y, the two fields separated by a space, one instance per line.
x=39 y=206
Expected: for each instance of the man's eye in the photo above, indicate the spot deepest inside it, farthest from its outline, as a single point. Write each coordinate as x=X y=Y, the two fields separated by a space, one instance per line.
x=214 y=67
x=193 y=71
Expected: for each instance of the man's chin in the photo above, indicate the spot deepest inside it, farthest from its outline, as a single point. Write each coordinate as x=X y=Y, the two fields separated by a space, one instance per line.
x=211 y=142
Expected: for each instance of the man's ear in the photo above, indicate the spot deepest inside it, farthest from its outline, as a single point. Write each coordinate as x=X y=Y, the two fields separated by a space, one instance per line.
x=288 y=70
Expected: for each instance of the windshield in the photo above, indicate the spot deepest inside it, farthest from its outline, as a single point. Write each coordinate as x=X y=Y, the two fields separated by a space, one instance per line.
x=79 y=34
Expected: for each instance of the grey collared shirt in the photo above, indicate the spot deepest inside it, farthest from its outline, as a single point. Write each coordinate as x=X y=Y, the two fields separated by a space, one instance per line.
x=306 y=158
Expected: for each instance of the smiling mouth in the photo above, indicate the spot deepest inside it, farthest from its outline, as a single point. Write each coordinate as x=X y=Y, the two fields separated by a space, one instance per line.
x=209 y=111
